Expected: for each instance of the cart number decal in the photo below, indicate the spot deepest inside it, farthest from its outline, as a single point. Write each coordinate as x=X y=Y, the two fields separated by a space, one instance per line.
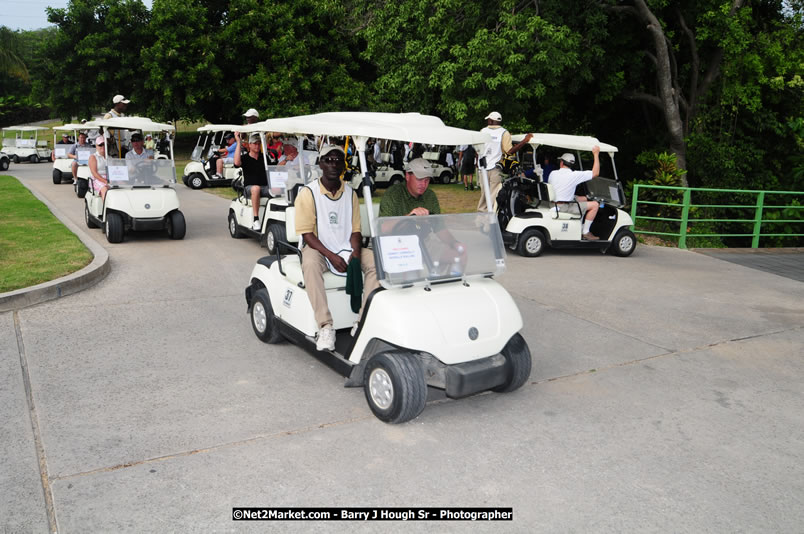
x=564 y=227
x=288 y=297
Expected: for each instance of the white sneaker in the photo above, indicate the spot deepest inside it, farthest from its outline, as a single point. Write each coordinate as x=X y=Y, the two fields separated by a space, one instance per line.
x=326 y=338
x=256 y=226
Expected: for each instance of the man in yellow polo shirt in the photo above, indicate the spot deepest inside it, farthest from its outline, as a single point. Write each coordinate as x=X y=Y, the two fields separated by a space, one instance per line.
x=328 y=220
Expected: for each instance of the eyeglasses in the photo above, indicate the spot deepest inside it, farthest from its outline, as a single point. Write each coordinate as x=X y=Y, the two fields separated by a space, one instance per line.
x=99 y=144
x=332 y=161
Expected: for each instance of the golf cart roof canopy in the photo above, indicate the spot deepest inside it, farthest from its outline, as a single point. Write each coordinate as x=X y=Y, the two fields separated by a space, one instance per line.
x=572 y=142
x=24 y=128
x=131 y=123
x=70 y=127
x=223 y=128
x=413 y=127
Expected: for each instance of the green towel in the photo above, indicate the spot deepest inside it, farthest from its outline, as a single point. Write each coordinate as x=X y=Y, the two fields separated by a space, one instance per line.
x=354 y=283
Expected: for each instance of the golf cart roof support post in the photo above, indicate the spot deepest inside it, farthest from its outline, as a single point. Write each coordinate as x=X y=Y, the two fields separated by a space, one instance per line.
x=300 y=156
x=360 y=144
x=484 y=175
x=613 y=166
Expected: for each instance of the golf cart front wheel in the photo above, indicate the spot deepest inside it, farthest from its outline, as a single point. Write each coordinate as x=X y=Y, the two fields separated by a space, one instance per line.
x=624 y=243
x=195 y=181
x=531 y=243
x=176 y=227
x=234 y=228
x=81 y=187
x=114 y=228
x=16 y=158
x=34 y=158
x=275 y=234
x=87 y=218
x=396 y=179
x=517 y=356
x=3 y=164
x=395 y=388
x=446 y=177
x=56 y=176
x=263 y=320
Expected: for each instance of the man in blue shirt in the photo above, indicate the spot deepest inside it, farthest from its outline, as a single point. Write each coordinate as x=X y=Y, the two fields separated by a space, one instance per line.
x=226 y=155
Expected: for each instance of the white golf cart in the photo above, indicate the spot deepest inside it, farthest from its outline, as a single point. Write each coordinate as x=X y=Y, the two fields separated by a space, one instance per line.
x=62 y=163
x=200 y=172
x=530 y=218
x=27 y=145
x=387 y=176
x=439 y=318
x=141 y=196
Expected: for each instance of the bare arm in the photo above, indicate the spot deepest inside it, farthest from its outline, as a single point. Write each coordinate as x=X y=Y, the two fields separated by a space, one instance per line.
x=237 y=161
x=596 y=164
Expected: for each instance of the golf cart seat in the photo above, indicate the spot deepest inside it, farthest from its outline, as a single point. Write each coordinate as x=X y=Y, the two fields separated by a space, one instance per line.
x=291 y=265
x=364 y=223
x=551 y=195
x=293 y=192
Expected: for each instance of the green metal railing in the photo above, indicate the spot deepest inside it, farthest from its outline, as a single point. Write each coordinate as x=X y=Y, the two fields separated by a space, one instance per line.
x=755 y=221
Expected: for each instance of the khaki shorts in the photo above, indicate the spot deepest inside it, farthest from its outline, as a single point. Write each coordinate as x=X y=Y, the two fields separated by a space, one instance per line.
x=572 y=207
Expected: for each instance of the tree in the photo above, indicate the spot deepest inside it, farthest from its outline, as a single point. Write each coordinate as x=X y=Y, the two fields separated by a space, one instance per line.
x=11 y=64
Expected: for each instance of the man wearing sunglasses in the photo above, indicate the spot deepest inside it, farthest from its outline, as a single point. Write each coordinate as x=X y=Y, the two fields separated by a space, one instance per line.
x=328 y=220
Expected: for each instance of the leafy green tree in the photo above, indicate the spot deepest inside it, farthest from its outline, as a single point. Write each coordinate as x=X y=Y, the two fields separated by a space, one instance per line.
x=11 y=62
x=95 y=54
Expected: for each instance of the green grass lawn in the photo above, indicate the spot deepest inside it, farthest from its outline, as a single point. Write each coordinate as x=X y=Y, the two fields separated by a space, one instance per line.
x=34 y=246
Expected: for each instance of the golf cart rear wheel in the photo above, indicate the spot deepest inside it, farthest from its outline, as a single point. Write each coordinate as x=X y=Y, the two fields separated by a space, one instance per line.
x=517 y=356
x=263 y=320
x=16 y=158
x=234 y=228
x=396 y=179
x=56 y=176
x=87 y=218
x=624 y=243
x=34 y=158
x=196 y=181
x=446 y=177
x=176 y=227
x=81 y=187
x=4 y=164
x=395 y=388
x=275 y=234
x=114 y=228
x=531 y=243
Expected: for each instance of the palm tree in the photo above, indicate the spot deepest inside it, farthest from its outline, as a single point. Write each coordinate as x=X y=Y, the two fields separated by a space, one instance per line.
x=10 y=63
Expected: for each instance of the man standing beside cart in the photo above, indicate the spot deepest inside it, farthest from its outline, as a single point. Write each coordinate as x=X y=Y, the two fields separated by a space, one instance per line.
x=499 y=145
x=119 y=138
x=328 y=219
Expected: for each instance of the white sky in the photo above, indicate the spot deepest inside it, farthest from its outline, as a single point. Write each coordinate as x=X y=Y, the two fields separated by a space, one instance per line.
x=30 y=14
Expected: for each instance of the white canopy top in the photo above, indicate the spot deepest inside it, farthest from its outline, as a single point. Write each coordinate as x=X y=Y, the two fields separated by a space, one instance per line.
x=223 y=128
x=131 y=123
x=572 y=142
x=396 y=126
x=70 y=126
x=25 y=128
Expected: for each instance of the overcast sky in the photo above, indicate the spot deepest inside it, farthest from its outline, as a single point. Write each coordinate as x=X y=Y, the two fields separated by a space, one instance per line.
x=30 y=14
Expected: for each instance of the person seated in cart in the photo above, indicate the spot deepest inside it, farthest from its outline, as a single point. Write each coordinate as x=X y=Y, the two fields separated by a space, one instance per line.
x=73 y=154
x=225 y=155
x=564 y=180
x=138 y=148
x=255 y=181
x=328 y=220
x=97 y=167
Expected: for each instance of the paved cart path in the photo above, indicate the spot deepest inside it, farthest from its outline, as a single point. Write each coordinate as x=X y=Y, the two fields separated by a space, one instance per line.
x=666 y=395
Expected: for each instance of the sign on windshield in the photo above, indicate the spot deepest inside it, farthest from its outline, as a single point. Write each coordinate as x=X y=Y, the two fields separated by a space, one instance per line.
x=128 y=172
x=423 y=249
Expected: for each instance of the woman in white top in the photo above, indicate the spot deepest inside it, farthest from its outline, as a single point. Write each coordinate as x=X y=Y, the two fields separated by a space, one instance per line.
x=97 y=166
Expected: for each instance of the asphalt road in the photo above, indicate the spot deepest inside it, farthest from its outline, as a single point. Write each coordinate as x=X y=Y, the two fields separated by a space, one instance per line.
x=666 y=395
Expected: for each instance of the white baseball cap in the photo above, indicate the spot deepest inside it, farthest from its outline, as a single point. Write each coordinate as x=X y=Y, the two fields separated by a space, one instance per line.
x=494 y=116
x=568 y=158
x=421 y=168
x=120 y=98
x=330 y=148
x=251 y=113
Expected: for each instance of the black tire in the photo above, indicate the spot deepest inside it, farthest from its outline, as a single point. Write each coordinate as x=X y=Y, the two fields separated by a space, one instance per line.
x=624 y=243
x=87 y=218
x=446 y=177
x=531 y=243
x=4 y=164
x=113 y=228
x=234 y=228
x=395 y=388
x=33 y=158
x=263 y=320
x=274 y=234
x=517 y=354
x=176 y=227
x=396 y=179
x=81 y=187
x=16 y=158
x=196 y=181
x=56 y=176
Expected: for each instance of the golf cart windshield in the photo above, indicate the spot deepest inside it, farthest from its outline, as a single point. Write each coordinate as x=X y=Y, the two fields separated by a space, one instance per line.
x=141 y=172
x=62 y=150
x=424 y=249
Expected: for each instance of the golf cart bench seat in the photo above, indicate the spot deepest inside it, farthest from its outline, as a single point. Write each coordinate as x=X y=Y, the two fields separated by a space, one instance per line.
x=293 y=273
x=548 y=192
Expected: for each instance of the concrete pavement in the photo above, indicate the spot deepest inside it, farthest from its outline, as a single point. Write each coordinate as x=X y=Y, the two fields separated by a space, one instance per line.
x=665 y=396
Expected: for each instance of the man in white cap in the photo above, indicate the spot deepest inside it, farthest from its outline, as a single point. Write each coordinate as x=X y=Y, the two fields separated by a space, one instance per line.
x=119 y=138
x=328 y=219
x=500 y=144
x=251 y=116
x=564 y=180
x=255 y=179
